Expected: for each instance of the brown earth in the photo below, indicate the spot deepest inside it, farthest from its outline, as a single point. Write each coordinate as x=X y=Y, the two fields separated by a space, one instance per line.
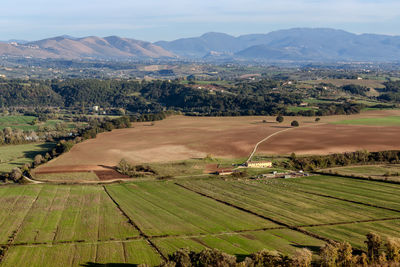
x=180 y=138
x=330 y=138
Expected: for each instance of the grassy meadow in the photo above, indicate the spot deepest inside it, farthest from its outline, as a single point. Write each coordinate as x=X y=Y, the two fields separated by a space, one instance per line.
x=12 y=156
x=382 y=121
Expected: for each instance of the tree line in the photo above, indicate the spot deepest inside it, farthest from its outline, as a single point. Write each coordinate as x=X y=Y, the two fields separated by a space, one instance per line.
x=378 y=253
x=312 y=163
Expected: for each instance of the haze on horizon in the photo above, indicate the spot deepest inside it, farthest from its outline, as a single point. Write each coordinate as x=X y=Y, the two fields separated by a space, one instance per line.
x=155 y=20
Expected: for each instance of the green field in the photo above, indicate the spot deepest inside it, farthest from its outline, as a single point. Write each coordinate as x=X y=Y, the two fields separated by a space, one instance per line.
x=176 y=211
x=286 y=204
x=355 y=233
x=384 y=121
x=67 y=176
x=381 y=172
x=132 y=252
x=282 y=240
x=12 y=156
x=50 y=213
x=71 y=225
x=24 y=123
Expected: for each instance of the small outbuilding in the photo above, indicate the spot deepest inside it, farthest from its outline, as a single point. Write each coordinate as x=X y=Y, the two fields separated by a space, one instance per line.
x=259 y=164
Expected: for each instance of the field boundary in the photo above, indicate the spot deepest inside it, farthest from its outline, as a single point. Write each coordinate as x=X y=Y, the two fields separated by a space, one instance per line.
x=295 y=228
x=346 y=200
x=131 y=222
x=356 y=177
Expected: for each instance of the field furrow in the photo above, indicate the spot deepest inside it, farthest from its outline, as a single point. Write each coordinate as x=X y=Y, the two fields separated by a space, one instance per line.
x=166 y=209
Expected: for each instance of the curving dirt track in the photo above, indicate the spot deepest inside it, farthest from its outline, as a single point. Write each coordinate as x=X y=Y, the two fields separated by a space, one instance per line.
x=330 y=138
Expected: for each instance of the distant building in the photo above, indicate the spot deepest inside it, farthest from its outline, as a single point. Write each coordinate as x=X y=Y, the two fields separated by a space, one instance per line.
x=224 y=172
x=259 y=164
x=95 y=108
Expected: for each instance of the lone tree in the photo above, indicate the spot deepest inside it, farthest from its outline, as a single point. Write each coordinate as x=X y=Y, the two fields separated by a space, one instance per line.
x=279 y=118
x=295 y=124
x=317 y=119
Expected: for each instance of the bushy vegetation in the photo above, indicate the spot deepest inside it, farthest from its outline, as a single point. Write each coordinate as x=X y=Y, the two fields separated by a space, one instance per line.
x=311 y=163
x=264 y=97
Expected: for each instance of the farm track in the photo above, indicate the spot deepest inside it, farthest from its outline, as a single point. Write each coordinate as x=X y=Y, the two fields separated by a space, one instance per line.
x=274 y=134
x=265 y=139
x=131 y=222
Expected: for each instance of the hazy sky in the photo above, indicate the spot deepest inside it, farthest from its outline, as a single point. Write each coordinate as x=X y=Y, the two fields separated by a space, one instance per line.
x=154 y=20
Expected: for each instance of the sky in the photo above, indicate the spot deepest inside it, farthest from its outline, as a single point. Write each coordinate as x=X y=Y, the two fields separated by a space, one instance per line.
x=154 y=20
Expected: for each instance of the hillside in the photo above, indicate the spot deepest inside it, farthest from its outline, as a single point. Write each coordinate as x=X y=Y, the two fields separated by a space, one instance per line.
x=112 y=47
x=300 y=44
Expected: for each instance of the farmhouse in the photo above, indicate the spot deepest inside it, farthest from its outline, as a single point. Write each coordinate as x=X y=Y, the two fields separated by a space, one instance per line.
x=259 y=164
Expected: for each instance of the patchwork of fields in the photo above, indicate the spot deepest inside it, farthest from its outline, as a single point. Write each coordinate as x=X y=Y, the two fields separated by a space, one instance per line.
x=144 y=221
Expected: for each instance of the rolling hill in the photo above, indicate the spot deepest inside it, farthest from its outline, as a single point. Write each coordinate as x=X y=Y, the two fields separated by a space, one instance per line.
x=300 y=44
x=92 y=47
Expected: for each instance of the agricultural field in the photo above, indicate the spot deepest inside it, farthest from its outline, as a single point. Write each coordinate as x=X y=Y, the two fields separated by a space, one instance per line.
x=384 y=121
x=144 y=221
x=286 y=204
x=126 y=252
x=56 y=214
x=193 y=215
x=12 y=156
x=179 y=138
x=26 y=123
x=332 y=138
x=67 y=176
x=282 y=240
x=359 y=206
x=389 y=172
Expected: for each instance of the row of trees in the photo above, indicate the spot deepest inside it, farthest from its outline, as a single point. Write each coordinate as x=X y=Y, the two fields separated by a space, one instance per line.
x=312 y=163
x=331 y=254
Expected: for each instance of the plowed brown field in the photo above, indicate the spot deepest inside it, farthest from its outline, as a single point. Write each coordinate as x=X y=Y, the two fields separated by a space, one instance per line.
x=180 y=138
x=330 y=138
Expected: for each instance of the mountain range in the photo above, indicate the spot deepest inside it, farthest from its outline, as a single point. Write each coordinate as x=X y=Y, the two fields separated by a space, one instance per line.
x=92 y=47
x=299 y=44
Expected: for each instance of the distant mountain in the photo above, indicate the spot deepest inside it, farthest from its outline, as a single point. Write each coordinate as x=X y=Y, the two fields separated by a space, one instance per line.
x=200 y=46
x=300 y=44
x=67 y=47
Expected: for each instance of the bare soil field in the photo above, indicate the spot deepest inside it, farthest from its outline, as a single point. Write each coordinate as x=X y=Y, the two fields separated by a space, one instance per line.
x=181 y=138
x=176 y=138
x=330 y=138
